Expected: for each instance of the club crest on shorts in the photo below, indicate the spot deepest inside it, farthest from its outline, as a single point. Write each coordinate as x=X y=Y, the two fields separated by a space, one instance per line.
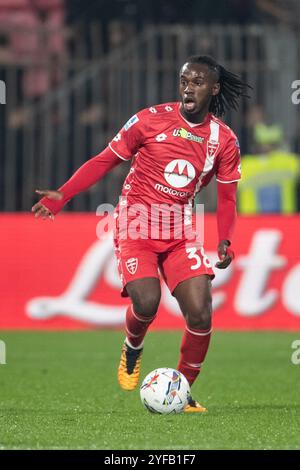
x=212 y=148
x=131 y=265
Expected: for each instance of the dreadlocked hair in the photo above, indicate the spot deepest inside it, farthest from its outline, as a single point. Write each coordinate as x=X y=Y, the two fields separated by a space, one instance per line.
x=231 y=86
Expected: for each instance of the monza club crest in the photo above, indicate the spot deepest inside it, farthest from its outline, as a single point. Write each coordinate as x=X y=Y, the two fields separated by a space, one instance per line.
x=131 y=265
x=212 y=148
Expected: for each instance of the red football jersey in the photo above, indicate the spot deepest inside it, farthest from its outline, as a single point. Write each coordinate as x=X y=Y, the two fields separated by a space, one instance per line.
x=173 y=158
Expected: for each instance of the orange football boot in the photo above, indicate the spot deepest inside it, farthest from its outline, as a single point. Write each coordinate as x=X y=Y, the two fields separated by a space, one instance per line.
x=129 y=367
x=194 y=407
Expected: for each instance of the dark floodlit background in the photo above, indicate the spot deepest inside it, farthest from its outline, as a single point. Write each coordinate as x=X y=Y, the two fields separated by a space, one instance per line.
x=75 y=71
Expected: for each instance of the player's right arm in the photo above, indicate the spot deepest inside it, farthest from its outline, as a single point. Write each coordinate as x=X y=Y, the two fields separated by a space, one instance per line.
x=39 y=209
x=122 y=147
x=86 y=176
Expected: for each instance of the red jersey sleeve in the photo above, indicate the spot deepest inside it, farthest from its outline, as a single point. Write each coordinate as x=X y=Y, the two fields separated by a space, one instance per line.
x=229 y=166
x=226 y=210
x=87 y=175
x=130 y=138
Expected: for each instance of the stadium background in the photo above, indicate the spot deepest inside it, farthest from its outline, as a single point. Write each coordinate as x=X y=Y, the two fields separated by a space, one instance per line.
x=74 y=72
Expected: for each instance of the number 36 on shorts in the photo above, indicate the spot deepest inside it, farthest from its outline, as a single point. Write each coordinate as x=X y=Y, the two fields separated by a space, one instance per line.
x=198 y=255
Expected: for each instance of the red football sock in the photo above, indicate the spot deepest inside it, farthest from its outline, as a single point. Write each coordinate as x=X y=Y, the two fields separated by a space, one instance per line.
x=136 y=327
x=194 y=346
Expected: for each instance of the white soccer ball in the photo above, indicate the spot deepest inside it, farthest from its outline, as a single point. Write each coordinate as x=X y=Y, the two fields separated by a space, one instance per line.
x=165 y=391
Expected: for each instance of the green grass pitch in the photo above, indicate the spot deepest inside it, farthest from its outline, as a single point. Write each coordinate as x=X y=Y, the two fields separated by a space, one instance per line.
x=59 y=391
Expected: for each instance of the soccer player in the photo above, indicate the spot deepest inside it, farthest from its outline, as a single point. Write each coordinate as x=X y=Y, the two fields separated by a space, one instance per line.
x=175 y=149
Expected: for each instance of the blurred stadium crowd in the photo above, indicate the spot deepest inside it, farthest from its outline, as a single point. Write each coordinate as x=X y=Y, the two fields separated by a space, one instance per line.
x=75 y=71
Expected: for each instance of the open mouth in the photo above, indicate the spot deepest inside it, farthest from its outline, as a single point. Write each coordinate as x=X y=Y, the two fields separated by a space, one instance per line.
x=189 y=104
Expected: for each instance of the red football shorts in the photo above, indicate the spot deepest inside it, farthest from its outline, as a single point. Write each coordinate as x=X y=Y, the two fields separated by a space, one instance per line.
x=177 y=261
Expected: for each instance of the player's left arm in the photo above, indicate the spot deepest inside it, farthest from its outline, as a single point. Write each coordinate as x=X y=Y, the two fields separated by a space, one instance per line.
x=228 y=175
x=226 y=219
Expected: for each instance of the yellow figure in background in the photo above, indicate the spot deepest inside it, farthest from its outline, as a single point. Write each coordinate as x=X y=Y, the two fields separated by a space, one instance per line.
x=269 y=178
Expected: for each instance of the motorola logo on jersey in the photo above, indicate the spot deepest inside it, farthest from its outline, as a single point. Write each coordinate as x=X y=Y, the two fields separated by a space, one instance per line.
x=179 y=173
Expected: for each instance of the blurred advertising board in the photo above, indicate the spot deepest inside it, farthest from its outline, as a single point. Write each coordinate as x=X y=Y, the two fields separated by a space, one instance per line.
x=59 y=275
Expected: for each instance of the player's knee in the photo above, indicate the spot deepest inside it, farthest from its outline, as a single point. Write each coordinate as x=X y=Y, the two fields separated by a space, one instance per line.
x=146 y=303
x=199 y=317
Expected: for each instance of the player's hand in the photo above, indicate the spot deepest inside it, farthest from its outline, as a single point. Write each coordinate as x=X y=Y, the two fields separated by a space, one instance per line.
x=226 y=255
x=39 y=209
